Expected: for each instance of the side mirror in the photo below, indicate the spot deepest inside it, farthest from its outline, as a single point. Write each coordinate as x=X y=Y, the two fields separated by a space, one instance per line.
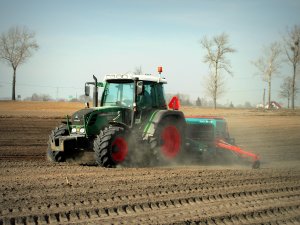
x=139 y=88
x=87 y=90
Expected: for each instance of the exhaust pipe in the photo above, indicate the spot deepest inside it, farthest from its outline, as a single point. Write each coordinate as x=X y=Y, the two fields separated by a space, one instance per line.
x=95 y=93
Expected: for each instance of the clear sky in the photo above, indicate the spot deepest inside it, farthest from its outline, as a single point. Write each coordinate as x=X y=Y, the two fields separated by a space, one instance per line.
x=80 y=38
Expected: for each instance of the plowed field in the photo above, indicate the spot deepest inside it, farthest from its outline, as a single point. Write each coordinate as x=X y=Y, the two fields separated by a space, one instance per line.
x=33 y=191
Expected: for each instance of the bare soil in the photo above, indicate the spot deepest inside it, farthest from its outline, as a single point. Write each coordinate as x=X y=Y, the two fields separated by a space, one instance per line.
x=34 y=191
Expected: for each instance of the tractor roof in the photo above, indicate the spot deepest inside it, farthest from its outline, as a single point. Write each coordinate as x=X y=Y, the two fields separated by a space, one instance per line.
x=150 y=78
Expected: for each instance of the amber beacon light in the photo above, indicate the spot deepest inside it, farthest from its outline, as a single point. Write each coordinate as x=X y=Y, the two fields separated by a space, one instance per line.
x=160 y=69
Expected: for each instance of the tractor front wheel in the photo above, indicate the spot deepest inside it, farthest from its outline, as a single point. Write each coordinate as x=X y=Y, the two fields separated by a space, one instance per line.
x=57 y=156
x=111 y=146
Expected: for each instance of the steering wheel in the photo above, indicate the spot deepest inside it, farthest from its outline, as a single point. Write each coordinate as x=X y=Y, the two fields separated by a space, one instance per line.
x=125 y=102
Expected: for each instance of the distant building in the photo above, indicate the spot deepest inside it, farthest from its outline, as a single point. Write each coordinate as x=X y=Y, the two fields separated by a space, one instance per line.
x=272 y=105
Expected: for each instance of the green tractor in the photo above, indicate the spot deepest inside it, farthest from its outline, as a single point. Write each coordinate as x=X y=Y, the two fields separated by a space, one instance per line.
x=131 y=126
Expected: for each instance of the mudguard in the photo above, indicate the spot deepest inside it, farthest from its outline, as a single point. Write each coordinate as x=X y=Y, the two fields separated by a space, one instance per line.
x=158 y=117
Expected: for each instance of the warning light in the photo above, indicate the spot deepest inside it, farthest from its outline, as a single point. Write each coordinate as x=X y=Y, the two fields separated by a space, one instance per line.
x=160 y=69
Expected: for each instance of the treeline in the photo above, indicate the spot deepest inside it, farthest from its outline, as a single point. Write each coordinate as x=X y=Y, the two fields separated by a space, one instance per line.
x=46 y=98
x=205 y=102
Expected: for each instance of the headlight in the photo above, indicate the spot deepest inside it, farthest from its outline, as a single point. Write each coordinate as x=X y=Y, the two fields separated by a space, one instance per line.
x=81 y=130
x=73 y=130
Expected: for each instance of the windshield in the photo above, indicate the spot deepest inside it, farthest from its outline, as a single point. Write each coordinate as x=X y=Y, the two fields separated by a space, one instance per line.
x=118 y=94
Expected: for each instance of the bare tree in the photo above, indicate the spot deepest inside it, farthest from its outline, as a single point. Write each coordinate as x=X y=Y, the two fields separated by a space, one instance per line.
x=215 y=86
x=286 y=89
x=138 y=70
x=292 y=50
x=16 y=46
x=198 y=102
x=216 y=49
x=269 y=64
x=40 y=97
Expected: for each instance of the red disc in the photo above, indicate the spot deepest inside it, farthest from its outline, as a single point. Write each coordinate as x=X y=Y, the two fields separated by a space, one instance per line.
x=119 y=149
x=171 y=141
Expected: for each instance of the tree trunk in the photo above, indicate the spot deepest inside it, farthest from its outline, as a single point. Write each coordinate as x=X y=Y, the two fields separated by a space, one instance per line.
x=215 y=102
x=264 y=99
x=216 y=86
x=293 y=88
x=288 y=102
x=14 y=85
x=269 y=97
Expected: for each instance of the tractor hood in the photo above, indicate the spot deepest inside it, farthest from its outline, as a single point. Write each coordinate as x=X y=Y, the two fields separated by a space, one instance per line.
x=95 y=119
x=78 y=117
x=111 y=112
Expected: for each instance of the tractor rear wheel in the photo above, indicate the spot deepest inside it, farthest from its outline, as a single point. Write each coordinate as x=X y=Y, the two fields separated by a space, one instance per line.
x=111 y=146
x=57 y=156
x=169 y=141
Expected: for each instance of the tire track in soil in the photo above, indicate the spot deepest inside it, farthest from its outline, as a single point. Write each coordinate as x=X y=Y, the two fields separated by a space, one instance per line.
x=23 y=138
x=268 y=195
x=135 y=184
x=33 y=191
x=257 y=209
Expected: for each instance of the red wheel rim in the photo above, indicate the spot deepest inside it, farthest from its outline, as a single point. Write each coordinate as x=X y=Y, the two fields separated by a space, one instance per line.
x=119 y=149
x=171 y=141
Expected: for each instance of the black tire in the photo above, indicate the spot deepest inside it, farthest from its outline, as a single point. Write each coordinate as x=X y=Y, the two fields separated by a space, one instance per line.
x=111 y=147
x=57 y=156
x=256 y=164
x=168 y=143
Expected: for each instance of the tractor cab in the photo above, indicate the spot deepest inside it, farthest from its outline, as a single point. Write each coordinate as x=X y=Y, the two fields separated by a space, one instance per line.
x=134 y=91
x=140 y=94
